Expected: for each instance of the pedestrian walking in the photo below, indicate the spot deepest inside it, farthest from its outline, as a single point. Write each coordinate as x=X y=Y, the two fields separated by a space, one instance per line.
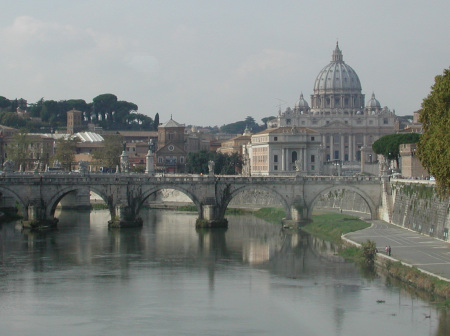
x=389 y=250
x=386 y=250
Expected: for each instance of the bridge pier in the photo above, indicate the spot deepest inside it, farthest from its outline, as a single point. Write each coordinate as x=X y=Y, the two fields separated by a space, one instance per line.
x=37 y=219
x=210 y=218
x=125 y=217
x=298 y=216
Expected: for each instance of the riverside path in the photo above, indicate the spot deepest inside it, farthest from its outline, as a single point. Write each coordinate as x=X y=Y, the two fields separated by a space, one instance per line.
x=426 y=253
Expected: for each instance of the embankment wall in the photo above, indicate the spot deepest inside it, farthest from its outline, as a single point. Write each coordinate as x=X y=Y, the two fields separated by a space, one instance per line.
x=416 y=206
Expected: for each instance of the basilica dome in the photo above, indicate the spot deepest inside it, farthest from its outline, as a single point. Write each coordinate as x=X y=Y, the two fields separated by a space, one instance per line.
x=373 y=103
x=337 y=77
x=302 y=104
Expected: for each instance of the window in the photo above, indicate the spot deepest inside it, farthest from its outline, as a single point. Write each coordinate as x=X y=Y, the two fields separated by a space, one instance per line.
x=313 y=167
x=385 y=121
x=160 y=160
x=275 y=167
x=182 y=159
x=275 y=158
x=312 y=138
x=275 y=138
x=313 y=158
x=294 y=156
x=288 y=121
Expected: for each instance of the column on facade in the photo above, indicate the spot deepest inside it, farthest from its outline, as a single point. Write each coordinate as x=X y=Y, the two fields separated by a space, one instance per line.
x=305 y=160
x=331 y=147
x=350 y=147
x=342 y=152
x=283 y=160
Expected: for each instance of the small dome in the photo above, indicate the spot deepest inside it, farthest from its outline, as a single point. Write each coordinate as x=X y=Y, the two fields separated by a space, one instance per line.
x=302 y=104
x=373 y=103
x=337 y=76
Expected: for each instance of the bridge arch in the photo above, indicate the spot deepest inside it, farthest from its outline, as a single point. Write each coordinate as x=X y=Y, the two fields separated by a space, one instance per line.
x=146 y=194
x=5 y=191
x=367 y=199
x=56 y=198
x=227 y=199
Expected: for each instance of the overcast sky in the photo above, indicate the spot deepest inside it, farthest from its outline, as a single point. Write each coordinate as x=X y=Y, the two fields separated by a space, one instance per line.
x=215 y=62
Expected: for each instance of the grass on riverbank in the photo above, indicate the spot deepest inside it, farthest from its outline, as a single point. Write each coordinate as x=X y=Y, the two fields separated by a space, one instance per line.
x=331 y=226
x=273 y=215
x=99 y=206
x=415 y=278
x=230 y=211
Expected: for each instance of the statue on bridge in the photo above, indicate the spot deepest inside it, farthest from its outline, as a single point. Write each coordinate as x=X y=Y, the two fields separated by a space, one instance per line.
x=8 y=166
x=211 y=166
x=83 y=167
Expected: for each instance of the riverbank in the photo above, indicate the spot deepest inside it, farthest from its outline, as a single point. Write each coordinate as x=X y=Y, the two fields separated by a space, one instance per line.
x=324 y=226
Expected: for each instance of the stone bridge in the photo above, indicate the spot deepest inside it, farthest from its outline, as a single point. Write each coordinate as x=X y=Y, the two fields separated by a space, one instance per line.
x=37 y=195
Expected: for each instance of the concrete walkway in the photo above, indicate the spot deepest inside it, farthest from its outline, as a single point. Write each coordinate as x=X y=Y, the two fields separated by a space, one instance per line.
x=427 y=254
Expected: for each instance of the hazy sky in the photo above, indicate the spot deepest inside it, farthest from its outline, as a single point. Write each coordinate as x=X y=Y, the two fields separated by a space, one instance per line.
x=215 y=62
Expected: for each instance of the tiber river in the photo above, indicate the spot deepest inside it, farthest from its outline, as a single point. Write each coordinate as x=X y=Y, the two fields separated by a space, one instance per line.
x=166 y=278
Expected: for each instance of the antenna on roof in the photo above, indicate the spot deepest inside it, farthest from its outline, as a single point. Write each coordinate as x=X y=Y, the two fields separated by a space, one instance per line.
x=280 y=103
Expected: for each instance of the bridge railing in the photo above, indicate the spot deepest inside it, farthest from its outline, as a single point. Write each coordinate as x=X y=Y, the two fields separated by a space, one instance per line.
x=63 y=177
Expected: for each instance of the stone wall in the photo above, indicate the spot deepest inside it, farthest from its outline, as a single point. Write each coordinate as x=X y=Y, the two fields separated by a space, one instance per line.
x=255 y=198
x=342 y=199
x=417 y=207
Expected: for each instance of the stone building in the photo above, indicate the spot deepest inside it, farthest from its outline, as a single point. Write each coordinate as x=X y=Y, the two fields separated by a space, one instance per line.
x=74 y=123
x=236 y=144
x=411 y=167
x=171 y=154
x=284 y=150
x=348 y=126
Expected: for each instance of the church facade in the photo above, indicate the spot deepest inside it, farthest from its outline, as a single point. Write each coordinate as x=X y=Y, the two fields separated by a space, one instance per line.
x=347 y=126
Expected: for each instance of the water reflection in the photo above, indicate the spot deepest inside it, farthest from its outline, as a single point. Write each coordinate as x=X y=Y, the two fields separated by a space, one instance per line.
x=252 y=278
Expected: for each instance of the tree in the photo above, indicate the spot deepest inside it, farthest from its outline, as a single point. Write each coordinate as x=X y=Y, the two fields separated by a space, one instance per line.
x=12 y=120
x=369 y=253
x=234 y=128
x=109 y=155
x=197 y=162
x=77 y=104
x=433 y=148
x=4 y=102
x=228 y=164
x=224 y=164
x=389 y=145
x=19 y=149
x=65 y=152
x=267 y=119
x=156 y=122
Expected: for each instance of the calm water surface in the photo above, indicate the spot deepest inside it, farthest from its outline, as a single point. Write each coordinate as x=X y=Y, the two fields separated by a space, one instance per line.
x=166 y=278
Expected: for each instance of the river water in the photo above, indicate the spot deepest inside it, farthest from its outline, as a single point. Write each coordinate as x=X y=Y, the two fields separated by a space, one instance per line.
x=167 y=278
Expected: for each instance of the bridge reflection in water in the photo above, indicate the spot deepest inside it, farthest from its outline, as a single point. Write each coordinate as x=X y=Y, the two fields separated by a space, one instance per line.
x=167 y=276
